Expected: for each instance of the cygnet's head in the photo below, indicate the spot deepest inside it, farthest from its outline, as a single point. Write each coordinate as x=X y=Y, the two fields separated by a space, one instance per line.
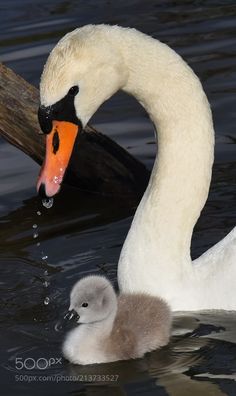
x=93 y=298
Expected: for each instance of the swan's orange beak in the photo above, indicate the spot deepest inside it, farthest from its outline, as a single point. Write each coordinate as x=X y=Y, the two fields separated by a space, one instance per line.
x=59 y=145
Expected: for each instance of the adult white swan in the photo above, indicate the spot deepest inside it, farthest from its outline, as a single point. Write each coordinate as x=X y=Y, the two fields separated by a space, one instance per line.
x=86 y=68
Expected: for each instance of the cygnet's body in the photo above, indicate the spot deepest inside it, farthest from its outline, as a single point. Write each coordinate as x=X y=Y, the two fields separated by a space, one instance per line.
x=114 y=328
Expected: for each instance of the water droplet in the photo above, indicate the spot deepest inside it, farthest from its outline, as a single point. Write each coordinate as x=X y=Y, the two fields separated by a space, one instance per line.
x=47 y=202
x=58 y=326
x=35 y=226
x=46 y=284
x=46 y=272
x=57 y=179
x=46 y=301
x=38 y=244
x=39 y=213
x=35 y=235
x=45 y=257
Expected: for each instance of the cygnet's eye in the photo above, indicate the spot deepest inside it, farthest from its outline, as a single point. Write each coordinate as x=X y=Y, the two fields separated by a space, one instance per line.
x=84 y=305
x=73 y=90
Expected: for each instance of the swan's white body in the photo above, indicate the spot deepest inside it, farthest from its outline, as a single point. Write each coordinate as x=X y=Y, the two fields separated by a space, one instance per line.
x=156 y=254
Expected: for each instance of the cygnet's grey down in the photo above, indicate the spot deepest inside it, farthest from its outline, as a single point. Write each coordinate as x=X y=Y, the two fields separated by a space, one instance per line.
x=114 y=327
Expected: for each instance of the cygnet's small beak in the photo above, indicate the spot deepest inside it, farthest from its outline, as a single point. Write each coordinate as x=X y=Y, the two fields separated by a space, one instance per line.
x=69 y=321
x=72 y=315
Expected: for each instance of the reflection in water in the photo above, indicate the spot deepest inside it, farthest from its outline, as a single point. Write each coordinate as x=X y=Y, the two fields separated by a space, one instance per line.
x=181 y=385
x=172 y=367
x=83 y=233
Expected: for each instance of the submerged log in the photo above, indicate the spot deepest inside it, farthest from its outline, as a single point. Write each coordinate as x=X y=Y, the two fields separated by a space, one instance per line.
x=98 y=164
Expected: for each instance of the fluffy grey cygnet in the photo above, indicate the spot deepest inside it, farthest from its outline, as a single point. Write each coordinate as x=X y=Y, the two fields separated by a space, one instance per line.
x=114 y=328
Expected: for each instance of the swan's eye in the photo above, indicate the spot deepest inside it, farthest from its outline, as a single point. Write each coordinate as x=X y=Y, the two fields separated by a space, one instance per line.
x=84 y=305
x=73 y=90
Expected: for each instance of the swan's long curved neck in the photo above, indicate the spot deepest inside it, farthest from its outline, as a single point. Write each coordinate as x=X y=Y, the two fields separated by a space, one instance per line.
x=173 y=96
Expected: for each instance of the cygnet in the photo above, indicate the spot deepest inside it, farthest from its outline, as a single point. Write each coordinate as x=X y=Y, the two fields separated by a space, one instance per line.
x=112 y=327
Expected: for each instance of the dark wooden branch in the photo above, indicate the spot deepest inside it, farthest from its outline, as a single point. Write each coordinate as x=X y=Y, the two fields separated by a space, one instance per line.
x=98 y=164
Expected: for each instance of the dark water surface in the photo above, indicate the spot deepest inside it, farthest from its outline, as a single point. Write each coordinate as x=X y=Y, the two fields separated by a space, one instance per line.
x=83 y=234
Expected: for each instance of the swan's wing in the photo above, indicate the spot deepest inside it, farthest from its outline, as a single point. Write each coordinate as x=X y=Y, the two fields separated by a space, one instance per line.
x=215 y=272
x=222 y=254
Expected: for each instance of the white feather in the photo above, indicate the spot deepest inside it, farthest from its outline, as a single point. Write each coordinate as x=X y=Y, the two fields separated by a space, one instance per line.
x=156 y=255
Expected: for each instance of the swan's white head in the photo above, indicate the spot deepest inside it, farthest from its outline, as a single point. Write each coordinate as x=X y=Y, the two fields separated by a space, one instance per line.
x=82 y=71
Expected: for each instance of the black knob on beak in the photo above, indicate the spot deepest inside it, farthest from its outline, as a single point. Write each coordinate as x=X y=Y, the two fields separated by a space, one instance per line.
x=45 y=117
